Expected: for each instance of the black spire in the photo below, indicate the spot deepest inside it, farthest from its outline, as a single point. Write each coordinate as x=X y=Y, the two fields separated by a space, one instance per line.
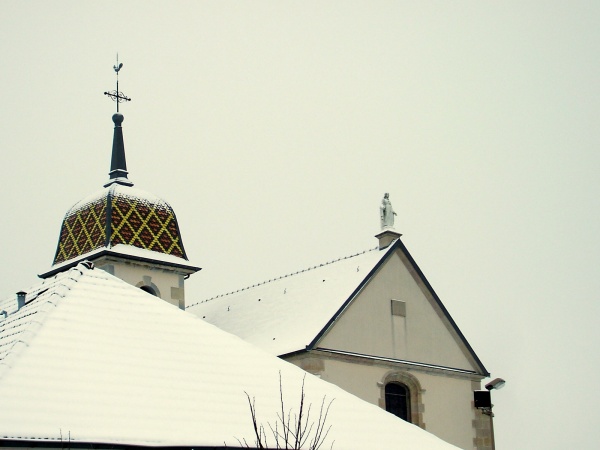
x=118 y=164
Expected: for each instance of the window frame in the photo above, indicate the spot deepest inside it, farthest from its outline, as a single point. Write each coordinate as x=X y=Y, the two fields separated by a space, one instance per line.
x=415 y=394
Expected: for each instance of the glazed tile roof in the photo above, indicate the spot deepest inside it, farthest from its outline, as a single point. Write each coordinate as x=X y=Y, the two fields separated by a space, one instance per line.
x=92 y=359
x=117 y=215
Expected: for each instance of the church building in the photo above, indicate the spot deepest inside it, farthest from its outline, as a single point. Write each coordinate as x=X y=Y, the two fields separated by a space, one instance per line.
x=106 y=352
x=126 y=231
x=372 y=324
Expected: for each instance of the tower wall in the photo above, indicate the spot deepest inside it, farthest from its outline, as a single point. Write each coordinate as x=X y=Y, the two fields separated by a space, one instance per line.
x=165 y=283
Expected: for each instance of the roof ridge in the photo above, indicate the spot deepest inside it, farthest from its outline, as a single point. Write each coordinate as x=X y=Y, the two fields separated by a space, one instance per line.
x=25 y=336
x=283 y=276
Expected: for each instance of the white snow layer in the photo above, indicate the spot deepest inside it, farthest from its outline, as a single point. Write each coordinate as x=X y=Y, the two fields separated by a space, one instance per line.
x=93 y=359
x=284 y=315
x=118 y=190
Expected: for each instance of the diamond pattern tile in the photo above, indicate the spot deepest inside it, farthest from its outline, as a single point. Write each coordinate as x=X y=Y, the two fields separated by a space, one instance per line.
x=134 y=221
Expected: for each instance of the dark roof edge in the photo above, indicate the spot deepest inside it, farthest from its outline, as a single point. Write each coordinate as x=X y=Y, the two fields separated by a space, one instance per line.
x=108 y=252
x=294 y=353
x=415 y=364
x=69 y=443
x=400 y=245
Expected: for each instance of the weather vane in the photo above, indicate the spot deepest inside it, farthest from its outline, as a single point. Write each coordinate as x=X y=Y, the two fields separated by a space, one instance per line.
x=116 y=96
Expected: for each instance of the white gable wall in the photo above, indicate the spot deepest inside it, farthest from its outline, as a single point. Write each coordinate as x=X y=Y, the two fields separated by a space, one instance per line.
x=424 y=335
x=368 y=327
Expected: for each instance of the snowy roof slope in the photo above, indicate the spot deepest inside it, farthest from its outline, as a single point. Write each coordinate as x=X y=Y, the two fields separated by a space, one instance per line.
x=99 y=361
x=285 y=315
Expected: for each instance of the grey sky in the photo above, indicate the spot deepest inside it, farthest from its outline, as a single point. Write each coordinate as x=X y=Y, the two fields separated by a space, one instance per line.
x=274 y=128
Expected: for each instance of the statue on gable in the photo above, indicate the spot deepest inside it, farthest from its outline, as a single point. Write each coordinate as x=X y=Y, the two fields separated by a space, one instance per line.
x=386 y=212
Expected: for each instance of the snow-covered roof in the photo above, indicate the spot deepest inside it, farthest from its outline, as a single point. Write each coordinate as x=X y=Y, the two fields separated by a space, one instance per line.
x=285 y=314
x=91 y=359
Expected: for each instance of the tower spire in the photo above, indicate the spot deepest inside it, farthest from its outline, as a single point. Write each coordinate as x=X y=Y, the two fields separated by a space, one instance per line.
x=118 y=164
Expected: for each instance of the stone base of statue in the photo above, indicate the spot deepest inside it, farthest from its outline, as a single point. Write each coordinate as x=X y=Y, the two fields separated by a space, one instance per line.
x=387 y=236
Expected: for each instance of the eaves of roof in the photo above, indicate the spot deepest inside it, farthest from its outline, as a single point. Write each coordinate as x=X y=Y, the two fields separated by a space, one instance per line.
x=65 y=443
x=411 y=364
x=105 y=252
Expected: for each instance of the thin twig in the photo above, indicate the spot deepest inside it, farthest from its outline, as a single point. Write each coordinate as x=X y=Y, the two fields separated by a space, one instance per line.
x=291 y=429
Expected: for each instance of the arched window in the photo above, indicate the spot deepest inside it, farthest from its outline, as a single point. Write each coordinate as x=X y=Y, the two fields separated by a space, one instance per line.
x=402 y=395
x=397 y=400
x=148 y=286
x=149 y=290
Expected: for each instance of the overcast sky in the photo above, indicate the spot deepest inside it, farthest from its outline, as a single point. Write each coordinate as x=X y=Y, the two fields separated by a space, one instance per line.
x=274 y=128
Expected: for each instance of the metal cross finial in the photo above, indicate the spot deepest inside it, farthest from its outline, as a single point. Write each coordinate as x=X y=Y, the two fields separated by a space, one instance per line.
x=116 y=95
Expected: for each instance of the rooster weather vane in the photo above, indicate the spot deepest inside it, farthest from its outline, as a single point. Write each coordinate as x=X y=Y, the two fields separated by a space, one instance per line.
x=116 y=95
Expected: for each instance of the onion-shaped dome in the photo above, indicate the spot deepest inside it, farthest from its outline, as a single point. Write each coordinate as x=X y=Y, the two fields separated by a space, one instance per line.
x=119 y=214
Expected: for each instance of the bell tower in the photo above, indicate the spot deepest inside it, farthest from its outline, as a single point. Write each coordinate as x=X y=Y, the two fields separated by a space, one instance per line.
x=126 y=231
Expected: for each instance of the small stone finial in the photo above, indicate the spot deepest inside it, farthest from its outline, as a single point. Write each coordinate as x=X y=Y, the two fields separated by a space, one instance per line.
x=386 y=212
x=118 y=119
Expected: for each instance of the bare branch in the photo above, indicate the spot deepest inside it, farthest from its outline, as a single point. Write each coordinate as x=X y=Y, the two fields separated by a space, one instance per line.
x=292 y=430
x=251 y=404
x=319 y=438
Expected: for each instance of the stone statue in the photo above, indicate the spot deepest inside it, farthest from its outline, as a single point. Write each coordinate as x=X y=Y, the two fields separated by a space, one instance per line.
x=386 y=212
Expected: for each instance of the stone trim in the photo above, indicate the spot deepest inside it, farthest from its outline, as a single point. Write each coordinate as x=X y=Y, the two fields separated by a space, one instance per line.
x=482 y=426
x=416 y=394
x=147 y=282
